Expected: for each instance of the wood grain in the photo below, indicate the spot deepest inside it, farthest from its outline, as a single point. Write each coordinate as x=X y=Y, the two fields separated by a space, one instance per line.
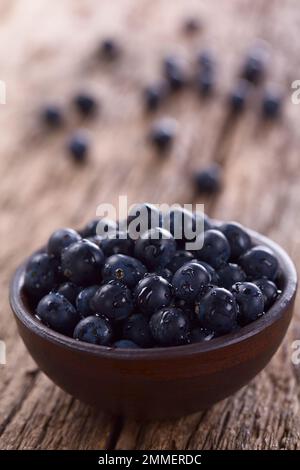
x=47 y=52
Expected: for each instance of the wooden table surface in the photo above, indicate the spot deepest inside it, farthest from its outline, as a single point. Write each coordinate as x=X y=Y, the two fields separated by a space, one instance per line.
x=46 y=51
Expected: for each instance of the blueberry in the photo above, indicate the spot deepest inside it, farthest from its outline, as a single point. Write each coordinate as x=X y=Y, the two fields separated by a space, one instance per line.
x=254 y=67
x=97 y=240
x=70 y=291
x=86 y=104
x=206 y=82
x=55 y=311
x=78 y=146
x=110 y=49
x=180 y=221
x=206 y=60
x=99 y=227
x=180 y=258
x=215 y=250
x=250 y=301
x=191 y=25
x=155 y=248
x=163 y=133
x=52 y=116
x=199 y=334
x=143 y=217
x=238 y=96
x=154 y=96
x=60 y=239
x=209 y=180
x=214 y=277
x=94 y=330
x=82 y=263
x=84 y=301
x=259 y=262
x=217 y=311
x=153 y=293
x=136 y=328
x=165 y=273
x=117 y=243
x=269 y=291
x=237 y=237
x=113 y=300
x=42 y=273
x=125 y=344
x=123 y=268
x=271 y=104
x=170 y=327
x=174 y=73
x=229 y=274
x=190 y=280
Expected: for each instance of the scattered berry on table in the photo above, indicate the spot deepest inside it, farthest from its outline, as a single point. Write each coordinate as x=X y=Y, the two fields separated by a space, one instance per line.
x=79 y=146
x=215 y=248
x=170 y=327
x=136 y=328
x=84 y=301
x=250 y=302
x=259 y=262
x=192 y=25
x=58 y=313
x=163 y=133
x=42 y=274
x=94 y=330
x=125 y=344
x=271 y=103
x=229 y=274
x=206 y=60
x=174 y=73
x=61 y=239
x=205 y=82
x=189 y=281
x=208 y=180
x=218 y=311
x=154 y=95
x=238 y=239
x=152 y=293
x=269 y=291
x=86 y=104
x=155 y=248
x=113 y=300
x=110 y=49
x=82 y=263
x=254 y=67
x=52 y=116
x=238 y=96
x=70 y=291
x=123 y=268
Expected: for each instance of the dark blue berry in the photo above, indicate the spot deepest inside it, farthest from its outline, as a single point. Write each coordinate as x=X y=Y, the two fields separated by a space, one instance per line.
x=125 y=344
x=190 y=280
x=86 y=104
x=271 y=104
x=192 y=25
x=155 y=248
x=61 y=239
x=163 y=133
x=170 y=327
x=117 y=243
x=52 y=116
x=165 y=273
x=110 y=49
x=154 y=96
x=78 y=146
x=238 y=239
x=254 y=67
x=82 y=263
x=209 y=180
x=84 y=301
x=214 y=278
x=94 y=330
x=180 y=258
x=206 y=60
x=136 y=328
x=259 y=262
x=55 y=311
x=269 y=291
x=41 y=275
x=114 y=300
x=217 y=311
x=123 y=268
x=180 y=223
x=229 y=274
x=250 y=301
x=206 y=82
x=215 y=250
x=238 y=96
x=70 y=291
x=199 y=334
x=153 y=293
x=174 y=73
x=143 y=217
x=99 y=227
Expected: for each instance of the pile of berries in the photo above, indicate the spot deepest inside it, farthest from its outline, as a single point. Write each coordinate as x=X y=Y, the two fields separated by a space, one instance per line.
x=122 y=291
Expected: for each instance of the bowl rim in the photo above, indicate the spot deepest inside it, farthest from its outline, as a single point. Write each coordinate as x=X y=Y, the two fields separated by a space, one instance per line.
x=274 y=314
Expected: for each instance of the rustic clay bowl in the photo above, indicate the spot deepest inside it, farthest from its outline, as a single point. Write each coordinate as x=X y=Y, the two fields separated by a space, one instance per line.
x=158 y=382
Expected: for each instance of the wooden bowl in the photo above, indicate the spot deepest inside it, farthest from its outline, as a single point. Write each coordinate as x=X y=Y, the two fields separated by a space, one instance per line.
x=158 y=382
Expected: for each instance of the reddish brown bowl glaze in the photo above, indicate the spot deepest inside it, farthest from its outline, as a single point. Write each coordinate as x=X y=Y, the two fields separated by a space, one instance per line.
x=158 y=382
